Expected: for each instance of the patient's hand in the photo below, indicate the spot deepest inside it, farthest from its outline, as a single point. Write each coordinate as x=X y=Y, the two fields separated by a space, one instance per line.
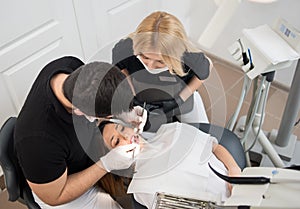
x=233 y=171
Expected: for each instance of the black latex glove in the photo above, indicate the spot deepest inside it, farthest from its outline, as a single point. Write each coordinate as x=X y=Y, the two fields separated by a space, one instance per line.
x=137 y=102
x=122 y=50
x=196 y=61
x=169 y=105
x=149 y=106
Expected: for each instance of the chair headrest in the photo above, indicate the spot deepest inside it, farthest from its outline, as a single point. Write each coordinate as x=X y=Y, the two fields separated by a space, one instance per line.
x=6 y=159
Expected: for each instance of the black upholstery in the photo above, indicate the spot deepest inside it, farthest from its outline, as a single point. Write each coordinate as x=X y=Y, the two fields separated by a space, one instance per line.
x=226 y=138
x=16 y=185
x=151 y=89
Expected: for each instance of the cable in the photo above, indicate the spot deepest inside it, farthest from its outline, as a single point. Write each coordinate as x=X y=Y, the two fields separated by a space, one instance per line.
x=242 y=179
x=244 y=54
x=251 y=62
x=260 y=124
x=297 y=122
x=253 y=109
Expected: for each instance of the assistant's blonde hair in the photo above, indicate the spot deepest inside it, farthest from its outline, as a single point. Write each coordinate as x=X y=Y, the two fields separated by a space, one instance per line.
x=163 y=33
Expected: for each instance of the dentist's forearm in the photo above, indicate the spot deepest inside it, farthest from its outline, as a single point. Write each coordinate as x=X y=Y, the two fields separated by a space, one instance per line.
x=68 y=187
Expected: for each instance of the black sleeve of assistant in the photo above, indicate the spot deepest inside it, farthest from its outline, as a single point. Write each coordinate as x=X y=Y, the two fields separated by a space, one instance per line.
x=198 y=63
x=121 y=51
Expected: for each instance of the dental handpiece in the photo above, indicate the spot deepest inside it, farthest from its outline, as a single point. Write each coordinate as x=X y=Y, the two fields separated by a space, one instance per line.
x=242 y=180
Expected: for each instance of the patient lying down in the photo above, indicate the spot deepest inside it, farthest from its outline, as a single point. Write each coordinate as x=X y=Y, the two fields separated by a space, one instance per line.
x=175 y=161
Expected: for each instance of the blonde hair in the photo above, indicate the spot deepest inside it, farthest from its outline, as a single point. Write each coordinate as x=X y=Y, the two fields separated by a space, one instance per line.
x=162 y=33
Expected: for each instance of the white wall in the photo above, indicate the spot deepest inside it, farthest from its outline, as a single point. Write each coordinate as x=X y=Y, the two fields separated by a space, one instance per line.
x=97 y=24
x=84 y=28
x=32 y=34
x=102 y=23
x=247 y=15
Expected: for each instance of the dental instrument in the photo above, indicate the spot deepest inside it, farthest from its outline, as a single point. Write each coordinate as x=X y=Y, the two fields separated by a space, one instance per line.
x=254 y=179
x=241 y=180
x=137 y=130
x=121 y=122
x=170 y=201
x=250 y=59
x=270 y=52
x=244 y=54
x=133 y=154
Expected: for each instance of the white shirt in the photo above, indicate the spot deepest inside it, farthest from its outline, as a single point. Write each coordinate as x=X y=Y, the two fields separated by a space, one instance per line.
x=175 y=161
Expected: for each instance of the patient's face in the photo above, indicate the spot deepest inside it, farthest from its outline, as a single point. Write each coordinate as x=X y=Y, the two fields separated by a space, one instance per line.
x=116 y=135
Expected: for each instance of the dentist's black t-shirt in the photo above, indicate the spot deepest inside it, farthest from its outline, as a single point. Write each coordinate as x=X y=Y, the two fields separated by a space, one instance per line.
x=48 y=139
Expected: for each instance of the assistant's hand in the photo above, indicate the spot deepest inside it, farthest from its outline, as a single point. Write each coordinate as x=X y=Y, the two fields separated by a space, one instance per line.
x=137 y=117
x=120 y=157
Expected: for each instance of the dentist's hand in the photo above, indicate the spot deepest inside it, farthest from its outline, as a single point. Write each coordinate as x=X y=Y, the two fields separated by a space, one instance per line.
x=120 y=157
x=137 y=117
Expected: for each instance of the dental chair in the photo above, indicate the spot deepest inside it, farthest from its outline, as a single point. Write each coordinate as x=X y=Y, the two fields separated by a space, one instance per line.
x=225 y=137
x=153 y=90
x=156 y=117
x=228 y=139
x=17 y=187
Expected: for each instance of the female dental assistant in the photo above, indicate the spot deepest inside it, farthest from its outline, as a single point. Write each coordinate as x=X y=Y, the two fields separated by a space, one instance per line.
x=160 y=54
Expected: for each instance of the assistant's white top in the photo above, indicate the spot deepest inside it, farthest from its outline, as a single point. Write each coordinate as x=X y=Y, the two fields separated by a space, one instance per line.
x=175 y=161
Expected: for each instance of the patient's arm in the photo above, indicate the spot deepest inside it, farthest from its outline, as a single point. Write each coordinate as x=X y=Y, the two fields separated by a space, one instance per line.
x=226 y=158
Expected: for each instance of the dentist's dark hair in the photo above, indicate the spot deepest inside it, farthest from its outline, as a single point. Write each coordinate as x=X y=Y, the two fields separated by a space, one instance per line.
x=98 y=89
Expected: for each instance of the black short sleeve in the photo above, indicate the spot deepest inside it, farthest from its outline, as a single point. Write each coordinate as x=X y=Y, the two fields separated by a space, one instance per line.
x=198 y=63
x=45 y=139
x=42 y=159
x=121 y=51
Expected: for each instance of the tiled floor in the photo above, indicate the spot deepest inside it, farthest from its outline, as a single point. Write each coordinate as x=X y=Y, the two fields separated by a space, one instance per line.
x=5 y=204
x=220 y=93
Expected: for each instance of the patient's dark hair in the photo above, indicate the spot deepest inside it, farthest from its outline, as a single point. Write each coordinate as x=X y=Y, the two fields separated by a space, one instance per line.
x=98 y=89
x=103 y=124
x=113 y=184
